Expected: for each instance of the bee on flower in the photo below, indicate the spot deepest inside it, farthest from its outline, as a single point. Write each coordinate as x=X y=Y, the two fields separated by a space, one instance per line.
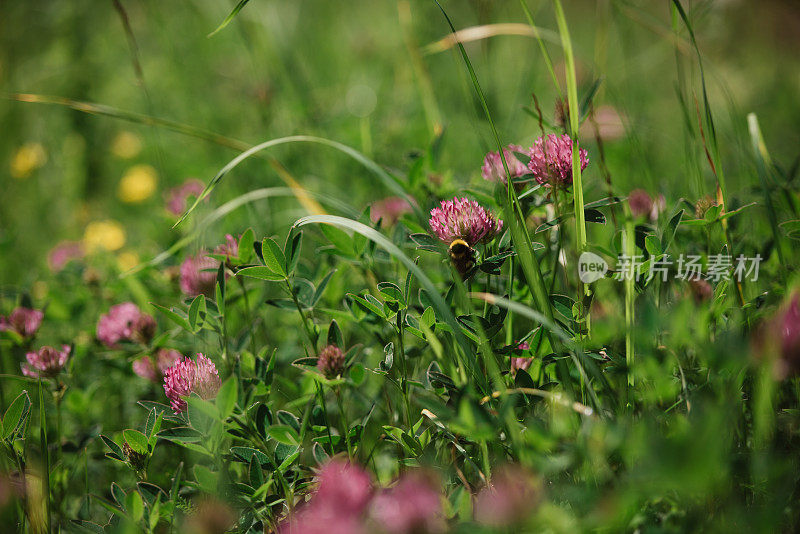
x=461 y=224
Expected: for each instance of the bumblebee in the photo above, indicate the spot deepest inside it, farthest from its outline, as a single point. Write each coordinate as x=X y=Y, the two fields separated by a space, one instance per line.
x=462 y=255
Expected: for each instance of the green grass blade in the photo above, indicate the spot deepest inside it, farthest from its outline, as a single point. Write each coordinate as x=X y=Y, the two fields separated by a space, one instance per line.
x=630 y=296
x=370 y=233
x=388 y=180
x=421 y=76
x=545 y=54
x=229 y=18
x=45 y=459
x=552 y=327
x=712 y=133
x=131 y=116
x=574 y=112
x=232 y=205
x=763 y=164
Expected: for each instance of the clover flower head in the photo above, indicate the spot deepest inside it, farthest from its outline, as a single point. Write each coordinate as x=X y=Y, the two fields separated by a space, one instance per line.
x=47 y=362
x=551 y=160
x=331 y=361
x=465 y=219
x=190 y=376
x=23 y=321
x=198 y=275
x=125 y=322
x=493 y=170
x=177 y=196
x=412 y=506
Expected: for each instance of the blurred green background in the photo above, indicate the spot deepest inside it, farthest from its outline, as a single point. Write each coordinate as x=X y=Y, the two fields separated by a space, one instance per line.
x=354 y=72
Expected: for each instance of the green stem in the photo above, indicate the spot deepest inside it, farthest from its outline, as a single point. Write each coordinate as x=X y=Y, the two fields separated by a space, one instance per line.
x=487 y=468
x=574 y=120
x=327 y=421
x=303 y=317
x=343 y=421
x=630 y=245
x=510 y=315
x=403 y=367
x=45 y=459
x=248 y=315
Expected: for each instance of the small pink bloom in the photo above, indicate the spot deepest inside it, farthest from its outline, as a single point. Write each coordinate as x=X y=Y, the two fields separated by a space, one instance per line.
x=63 y=253
x=465 y=219
x=608 y=122
x=389 y=210
x=331 y=361
x=551 y=160
x=521 y=362
x=164 y=359
x=789 y=322
x=144 y=367
x=177 y=196
x=339 y=504
x=199 y=275
x=783 y=333
x=509 y=500
x=344 y=486
x=47 y=362
x=23 y=321
x=644 y=206
x=229 y=249
x=412 y=506
x=701 y=290
x=493 y=169
x=188 y=376
x=125 y=322
x=311 y=519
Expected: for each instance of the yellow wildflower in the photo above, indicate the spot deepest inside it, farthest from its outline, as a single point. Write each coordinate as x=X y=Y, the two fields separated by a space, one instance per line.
x=27 y=159
x=127 y=260
x=106 y=235
x=126 y=145
x=138 y=184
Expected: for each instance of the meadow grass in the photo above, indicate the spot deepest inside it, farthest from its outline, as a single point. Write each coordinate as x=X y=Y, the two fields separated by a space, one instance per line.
x=254 y=278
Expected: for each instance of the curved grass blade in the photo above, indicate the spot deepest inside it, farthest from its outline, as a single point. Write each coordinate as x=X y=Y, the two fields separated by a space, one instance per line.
x=421 y=74
x=370 y=233
x=712 y=132
x=485 y=31
x=542 y=47
x=228 y=207
x=552 y=327
x=131 y=116
x=763 y=164
x=229 y=18
x=388 y=180
x=185 y=129
x=528 y=312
